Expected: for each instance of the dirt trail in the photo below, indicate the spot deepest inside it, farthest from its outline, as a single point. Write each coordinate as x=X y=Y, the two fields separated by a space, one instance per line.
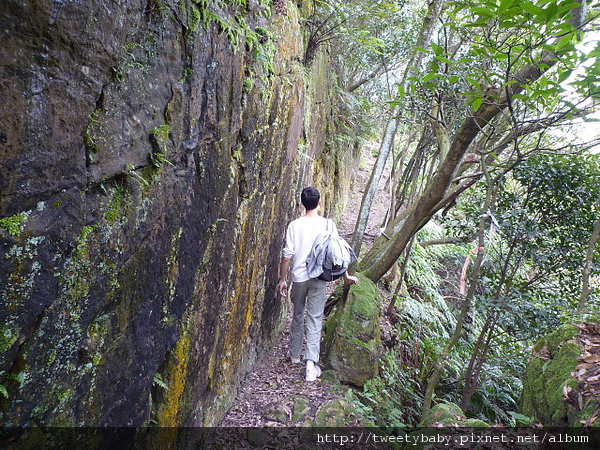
x=273 y=381
x=266 y=391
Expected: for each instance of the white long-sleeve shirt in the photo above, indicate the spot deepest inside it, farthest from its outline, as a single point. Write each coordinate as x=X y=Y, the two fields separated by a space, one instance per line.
x=299 y=238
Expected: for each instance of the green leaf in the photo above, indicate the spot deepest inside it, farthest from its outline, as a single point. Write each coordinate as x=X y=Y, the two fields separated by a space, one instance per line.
x=550 y=11
x=567 y=6
x=444 y=60
x=504 y=5
x=3 y=391
x=465 y=60
x=533 y=10
x=563 y=42
x=484 y=12
x=158 y=381
x=429 y=77
x=563 y=75
x=543 y=81
x=458 y=7
x=437 y=49
x=401 y=91
x=473 y=82
x=476 y=102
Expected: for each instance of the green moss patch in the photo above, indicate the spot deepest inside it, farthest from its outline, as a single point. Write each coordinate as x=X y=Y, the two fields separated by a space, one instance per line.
x=549 y=381
x=352 y=343
x=13 y=224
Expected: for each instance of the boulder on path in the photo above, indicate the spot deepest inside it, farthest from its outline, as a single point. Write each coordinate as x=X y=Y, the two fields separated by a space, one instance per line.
x=352 y=343
x=292 y=410
x=338 y=413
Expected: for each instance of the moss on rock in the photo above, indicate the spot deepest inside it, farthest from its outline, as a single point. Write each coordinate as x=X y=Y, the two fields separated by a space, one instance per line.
x=13 y=224
x=549 y=378
x=353 y=335
x=168 y=414
x=474 y=423
x=442 y=413
x=292 y=410
x=336 y=413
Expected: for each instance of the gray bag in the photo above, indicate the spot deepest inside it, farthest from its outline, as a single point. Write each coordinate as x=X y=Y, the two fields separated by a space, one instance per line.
x=330 y=256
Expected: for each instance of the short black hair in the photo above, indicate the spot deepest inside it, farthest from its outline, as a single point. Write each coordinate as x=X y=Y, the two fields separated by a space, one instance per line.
x=310 y=198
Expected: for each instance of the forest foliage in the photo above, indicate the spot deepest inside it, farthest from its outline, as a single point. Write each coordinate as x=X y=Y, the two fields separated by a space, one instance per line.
x=491 y=236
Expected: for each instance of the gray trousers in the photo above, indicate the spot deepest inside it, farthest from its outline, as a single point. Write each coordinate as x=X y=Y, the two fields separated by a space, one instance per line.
x=309 y=295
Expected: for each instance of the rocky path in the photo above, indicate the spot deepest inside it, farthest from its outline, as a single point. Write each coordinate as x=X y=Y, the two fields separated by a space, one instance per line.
x=275 y=394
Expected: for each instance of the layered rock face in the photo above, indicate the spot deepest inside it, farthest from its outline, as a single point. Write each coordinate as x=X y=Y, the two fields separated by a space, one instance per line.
x=150 y=158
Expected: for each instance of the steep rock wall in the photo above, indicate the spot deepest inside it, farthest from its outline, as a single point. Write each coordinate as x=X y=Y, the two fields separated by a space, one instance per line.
x=150 y=157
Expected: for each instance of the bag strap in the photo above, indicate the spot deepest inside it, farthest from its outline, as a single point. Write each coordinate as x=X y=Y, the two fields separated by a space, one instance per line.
x=327 y=227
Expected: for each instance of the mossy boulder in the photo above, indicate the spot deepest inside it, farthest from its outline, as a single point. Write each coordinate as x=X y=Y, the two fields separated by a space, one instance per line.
x=438 y=420
x=332 y=414
x=445 y=414
x=292 y=410
x=353 y=336
x=330 y=377
x=339 y=413
x=549 y=385
x=302 y=408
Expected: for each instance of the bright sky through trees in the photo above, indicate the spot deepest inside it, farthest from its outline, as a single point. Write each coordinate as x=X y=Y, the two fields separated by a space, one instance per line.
x=587 y=131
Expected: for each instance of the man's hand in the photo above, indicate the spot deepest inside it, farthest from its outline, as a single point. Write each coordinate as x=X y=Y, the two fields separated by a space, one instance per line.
x=283 y=270
x=350 y=279
x=283 y=288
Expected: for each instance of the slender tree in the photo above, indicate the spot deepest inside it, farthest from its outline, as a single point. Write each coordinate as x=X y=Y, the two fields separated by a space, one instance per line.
x=440 y=363
x=434 y=8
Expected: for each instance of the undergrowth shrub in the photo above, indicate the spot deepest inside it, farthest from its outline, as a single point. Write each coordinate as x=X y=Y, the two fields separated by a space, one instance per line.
x=425 y=315
x=394 y=397
x=422 y=322
x=497 y=395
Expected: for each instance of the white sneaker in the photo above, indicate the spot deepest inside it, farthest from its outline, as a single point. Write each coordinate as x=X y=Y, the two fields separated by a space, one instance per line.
x=312 y=371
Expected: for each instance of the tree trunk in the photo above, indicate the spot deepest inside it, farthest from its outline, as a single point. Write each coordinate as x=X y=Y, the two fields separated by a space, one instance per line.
x=442 y=241
x=400 y=277
x=478 y=358
x=365 y=206
x=406 y=188
x=394 y=178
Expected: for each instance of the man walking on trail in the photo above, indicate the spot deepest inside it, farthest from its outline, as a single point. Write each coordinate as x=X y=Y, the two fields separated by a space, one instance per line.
x=307 y=293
